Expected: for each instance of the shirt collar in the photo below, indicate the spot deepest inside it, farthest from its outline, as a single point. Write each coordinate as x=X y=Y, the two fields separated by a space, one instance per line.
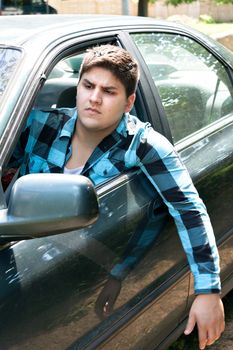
x=127 y=125
x=69 y=126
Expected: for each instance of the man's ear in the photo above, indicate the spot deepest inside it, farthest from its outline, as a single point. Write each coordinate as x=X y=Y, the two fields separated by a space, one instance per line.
x=130 y=102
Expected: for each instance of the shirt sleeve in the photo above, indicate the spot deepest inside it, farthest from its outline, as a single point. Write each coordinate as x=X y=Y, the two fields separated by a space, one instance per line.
x=163 y=167
x=144 y=237
x=17 y=157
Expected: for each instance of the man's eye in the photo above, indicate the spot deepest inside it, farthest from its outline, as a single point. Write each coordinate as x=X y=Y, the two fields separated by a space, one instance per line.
x=87 y=86
x=109 y=92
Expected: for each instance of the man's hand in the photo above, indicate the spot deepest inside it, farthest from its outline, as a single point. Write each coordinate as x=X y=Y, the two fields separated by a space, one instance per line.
x=107 y=298
x=208 y=313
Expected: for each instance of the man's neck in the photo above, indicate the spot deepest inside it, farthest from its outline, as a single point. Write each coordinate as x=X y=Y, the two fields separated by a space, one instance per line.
x=84 y=143
x=91 y=138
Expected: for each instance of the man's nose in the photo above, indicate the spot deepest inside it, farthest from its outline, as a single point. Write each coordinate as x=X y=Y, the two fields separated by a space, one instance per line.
x=96 y=96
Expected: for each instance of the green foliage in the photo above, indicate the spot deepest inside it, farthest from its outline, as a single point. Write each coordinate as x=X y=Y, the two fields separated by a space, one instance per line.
x=206 y=19
x=228 y=304
x=178 y=2
x=178 y=345
x=191 y=342
x=186 y=342
x=223 y=2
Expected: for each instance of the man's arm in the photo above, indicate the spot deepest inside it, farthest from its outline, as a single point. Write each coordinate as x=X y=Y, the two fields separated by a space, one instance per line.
x=144 y=237
x=141 y=241
x=19 y=151
x=36 y=122
x=207 y=313
x=163 y=167
x=16 y=160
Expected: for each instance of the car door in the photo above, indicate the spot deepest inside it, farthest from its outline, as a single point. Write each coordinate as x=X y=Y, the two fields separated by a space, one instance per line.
x=195 y=87
x=50 y=286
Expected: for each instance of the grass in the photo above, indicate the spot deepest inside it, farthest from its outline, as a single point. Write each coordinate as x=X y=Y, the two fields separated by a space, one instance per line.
x=207 y=28
x=228 y=303
x=191 y=342
x=213 y=28
x=186 y=342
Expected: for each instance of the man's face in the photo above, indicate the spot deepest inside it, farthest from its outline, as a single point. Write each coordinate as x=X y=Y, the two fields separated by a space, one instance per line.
x=101 y=101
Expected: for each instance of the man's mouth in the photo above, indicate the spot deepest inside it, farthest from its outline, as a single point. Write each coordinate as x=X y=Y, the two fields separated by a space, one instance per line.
x=92 y=110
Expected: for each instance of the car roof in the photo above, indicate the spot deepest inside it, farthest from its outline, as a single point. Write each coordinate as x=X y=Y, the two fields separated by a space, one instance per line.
x=36 y=32
x=15 y=29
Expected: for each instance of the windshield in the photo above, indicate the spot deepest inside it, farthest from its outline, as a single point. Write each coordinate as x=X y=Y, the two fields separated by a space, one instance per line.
x=9 y=58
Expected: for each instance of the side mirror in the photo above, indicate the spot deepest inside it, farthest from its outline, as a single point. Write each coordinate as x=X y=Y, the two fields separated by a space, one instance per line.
x=47 y=204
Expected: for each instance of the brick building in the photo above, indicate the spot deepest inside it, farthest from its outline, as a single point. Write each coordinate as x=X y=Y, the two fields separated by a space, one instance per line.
x=221 y=13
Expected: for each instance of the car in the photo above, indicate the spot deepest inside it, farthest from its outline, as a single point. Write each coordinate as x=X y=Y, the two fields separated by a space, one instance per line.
x=10 y=10
x=28 y=8
x=61 y=236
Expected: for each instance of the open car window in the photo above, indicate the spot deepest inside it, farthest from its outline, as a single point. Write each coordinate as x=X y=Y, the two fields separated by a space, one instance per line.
x=58 y=91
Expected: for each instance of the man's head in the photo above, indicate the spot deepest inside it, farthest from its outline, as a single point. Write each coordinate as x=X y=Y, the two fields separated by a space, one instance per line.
x=115 y=59
x=106 y=90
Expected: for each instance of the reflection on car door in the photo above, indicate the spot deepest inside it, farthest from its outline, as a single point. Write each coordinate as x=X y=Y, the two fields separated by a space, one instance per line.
x=195 y=88
x=210 y=161
x=50 y=285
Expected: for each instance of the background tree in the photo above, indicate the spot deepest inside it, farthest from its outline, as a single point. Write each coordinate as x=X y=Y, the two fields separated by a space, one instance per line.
x=143 y=4
x=143 y=7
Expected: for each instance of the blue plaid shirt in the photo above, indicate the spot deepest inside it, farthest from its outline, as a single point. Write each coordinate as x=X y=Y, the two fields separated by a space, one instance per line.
x=45 y=146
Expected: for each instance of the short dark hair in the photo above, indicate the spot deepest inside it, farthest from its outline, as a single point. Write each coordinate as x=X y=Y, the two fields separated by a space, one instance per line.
x=115 y=59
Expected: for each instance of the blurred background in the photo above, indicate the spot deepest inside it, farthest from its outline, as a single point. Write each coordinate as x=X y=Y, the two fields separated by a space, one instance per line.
x=213 y=17
x=215 y=10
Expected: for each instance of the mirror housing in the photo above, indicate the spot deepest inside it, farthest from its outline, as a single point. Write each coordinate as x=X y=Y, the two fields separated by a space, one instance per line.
x=47 y=204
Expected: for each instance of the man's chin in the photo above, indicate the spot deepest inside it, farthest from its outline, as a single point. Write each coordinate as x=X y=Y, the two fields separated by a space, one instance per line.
x=92 y=127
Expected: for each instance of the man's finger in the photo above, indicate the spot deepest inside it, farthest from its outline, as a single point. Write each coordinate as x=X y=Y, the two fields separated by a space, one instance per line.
x=100 y=305
x=212 y=337
x=202 y=336
x=190 y=325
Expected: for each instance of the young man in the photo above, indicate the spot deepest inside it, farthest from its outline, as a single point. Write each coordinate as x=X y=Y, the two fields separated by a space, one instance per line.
x=101 y=140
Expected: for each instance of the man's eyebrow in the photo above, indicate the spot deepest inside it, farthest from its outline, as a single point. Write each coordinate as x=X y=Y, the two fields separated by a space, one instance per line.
x=107 y=87
x=88 y=81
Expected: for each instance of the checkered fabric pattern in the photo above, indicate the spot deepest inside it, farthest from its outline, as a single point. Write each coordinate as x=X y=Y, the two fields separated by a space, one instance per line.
x=45 y=146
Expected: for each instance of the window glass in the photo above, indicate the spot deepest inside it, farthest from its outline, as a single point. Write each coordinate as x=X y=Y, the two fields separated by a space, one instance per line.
x=9 y=59
x=59 y=89
x=193 y=85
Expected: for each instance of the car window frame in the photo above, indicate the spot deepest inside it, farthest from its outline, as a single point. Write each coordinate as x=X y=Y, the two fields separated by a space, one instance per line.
x=209 y=129
x=70 y=49
x=149 y=91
